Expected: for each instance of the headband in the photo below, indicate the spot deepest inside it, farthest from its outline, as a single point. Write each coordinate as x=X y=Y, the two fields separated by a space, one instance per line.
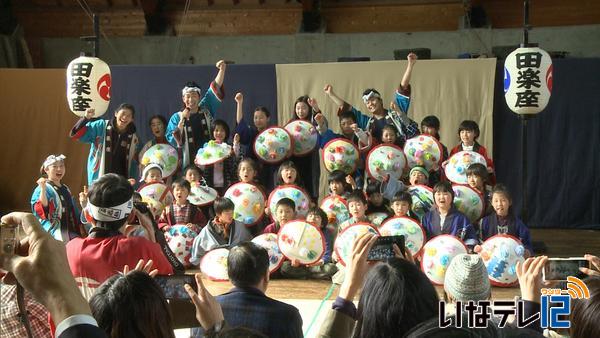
x=151 y=166
x=370 y=95
x=110 y=214
x=187 y=89
x=50 y=160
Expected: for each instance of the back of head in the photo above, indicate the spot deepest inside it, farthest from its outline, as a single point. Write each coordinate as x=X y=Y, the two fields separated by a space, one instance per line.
x=584 y=312
x=467 y=279
x=396 y=297
x=247 y=264
x=132 y=306
x=108 y=199
x=222 y=204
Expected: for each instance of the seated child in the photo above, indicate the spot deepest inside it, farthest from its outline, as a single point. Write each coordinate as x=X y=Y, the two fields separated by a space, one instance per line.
x=181 y=211
x=357 y=206
x=468 y=131
x=477 y=176
x=285 y=211
x=444 y=218
x=389 y=135
x=324 y=268
x=339 y=185
x=192 y=174
x=418 y=175
x=503 y=220
x=402 y=204
x=221 y=231
x=430 y=125
x=376 y=203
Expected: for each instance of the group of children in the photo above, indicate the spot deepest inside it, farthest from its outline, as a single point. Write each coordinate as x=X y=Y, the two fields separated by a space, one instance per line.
x=115 y=148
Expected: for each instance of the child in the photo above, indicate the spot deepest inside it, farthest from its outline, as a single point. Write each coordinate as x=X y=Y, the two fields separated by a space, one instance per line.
x=247 y=171
x=444 y=218
x=152 y=173
x=477 y=176
x=288 y=174
x=468 y=131
x=285 y=211
x=53 y=204
x=503 y=220
x=430 y=125
x=181 y=211
x=338 y=184
x=248 y=133
x=193 y=175
x=418 y=175
x=376 y=202
x=357 y=206
x=402 y=204
x=389 y=135
x=222 y=230
x=113 y=143
x=305 y=109
x=324 y=268
x=158 y=124
x=221 y=175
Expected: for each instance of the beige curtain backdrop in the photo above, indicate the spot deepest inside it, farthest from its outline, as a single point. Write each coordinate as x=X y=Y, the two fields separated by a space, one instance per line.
x=35 y=120
x=453 y=90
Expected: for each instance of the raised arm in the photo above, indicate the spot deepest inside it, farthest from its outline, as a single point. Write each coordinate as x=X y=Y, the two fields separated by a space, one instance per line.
x=412 y=58
x=239 y=114
x=336 y=99
x=221 y=65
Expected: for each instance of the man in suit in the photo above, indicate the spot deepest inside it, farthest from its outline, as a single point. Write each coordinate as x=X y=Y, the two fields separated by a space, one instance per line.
x=247 y=305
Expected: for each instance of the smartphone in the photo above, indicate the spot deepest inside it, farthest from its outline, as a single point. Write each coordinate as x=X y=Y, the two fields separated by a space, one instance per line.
x=558 y=269
x=172 y=285
x=8 y=239
x=383 y=248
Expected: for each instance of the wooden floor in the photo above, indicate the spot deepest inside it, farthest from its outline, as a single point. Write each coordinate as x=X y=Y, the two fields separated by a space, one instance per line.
x=558 y=243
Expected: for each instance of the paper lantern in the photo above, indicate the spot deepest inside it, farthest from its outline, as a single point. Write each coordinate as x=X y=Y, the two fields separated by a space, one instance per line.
x=340 y=154
x=164 y=155
x=527 y=80
x=500 y=254
x=305 y=136
x=269 y=243
x=346 y=238
x=273 y=145
x=249 y=201
x=301 y=241
x=386 y=159
x=212 y=152
x=424 y=150
x=413 y=232
x=293 y=192
x=88 y=85
x=214 y=264
x=437 y=255
x=468 y=201
x=456 y=168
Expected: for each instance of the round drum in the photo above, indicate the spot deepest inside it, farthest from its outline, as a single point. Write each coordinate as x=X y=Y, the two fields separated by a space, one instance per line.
x=437 y=255
x=273 y=145
x=336 y=209
x=422 y=199
x=180 y=239
x=164 y=155
x=212 y=152
x=301 y=241
x=500 y=254
x=468 y=201
x=304 y=135
x=214 y=264
x=413 y=232
x=157 y=195
x=386 y=159
x=249 y=202
x=269 y=242
x=456 y=168
x=202 y=195
x=346 y=238
x=293 y=192
x=340 y=154
x=424 y=150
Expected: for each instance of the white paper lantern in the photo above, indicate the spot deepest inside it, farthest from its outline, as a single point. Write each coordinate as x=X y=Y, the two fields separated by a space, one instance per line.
x=88 y=85
x=527 y=80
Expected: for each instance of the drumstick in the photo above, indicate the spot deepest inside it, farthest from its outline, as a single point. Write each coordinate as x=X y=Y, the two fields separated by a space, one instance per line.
x=301 y=235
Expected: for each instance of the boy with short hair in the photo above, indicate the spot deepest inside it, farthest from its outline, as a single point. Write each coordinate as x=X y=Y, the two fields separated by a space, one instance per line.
x=357 y=206
x=418 y=175
x=401 y=204
x=181 y=211
x=221 y=231
x=152 y=173
x=285 y=211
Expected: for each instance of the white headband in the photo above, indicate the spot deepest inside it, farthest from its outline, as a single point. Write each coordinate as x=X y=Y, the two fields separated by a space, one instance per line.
x=111 y=213
x=50 y=160
x=187 y=89
x=370 y=95
x=151 y=166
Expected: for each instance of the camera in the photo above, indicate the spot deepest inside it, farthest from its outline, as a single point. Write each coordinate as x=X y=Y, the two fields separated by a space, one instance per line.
x=172 y=285
x=383 y=248
x=8 y=239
